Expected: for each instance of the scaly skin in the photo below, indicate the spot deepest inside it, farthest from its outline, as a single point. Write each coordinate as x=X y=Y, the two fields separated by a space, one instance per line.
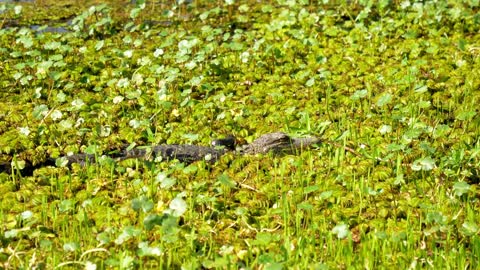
x=276 y=143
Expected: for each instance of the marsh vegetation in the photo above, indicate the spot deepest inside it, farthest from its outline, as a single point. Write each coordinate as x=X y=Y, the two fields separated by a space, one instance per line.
x=397 y=82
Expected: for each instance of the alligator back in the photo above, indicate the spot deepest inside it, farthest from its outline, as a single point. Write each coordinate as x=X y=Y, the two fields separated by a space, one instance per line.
x=182 y=152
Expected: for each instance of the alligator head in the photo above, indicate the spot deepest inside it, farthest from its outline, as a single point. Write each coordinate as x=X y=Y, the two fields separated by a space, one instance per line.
x=278 y=143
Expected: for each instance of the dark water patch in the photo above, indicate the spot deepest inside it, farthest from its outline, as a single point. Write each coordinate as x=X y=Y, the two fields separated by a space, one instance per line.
x=51 y=26
x=37 y=28
x=49 y=29
x=17 y=1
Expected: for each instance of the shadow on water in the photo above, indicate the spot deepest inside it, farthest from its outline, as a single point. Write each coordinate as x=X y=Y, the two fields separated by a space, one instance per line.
x=41 y=28
x=37 y=28
x=62 y=26
x=64 y=29
x=49 y=29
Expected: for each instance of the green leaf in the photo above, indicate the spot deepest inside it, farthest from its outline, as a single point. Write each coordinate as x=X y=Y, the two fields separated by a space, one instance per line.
x=77 y=104
x=151 y=220
x=461 y=188
x=469 y=228
x=25 y=131
x=56 y=115
x=134 y=123
x=26 y=41
x=326 y=194
x=441 y=131
x=341 y=231
x=310 y=82
x=66 y=205
x=191 y=137
x=421 y=89
x=91 y=149
x=226 y=181
x=165 y=181
x=359 y=94
x=64 y=125
x=310 y=189
x=142 y=203
x=190 y=169
x=18 y=164
x=384 y=129
x=127 y=233
x=178 y=206
x=52 y=45
x=305 y=206
x=11 y=233
x=71 y=246
x=236 y=46
x=136 y=11
x=262 y=239
x=274 y=266
x=25 y=215
x=145 y=250
x=40 y=111
x=424 y=104
x=384 y=99
x=374 y=192
x=423 y=164
x=18 y=9
x=61 y=162
x=466 y=116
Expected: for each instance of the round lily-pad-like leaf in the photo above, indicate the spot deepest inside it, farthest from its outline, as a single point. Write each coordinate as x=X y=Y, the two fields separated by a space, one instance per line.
x=40 y=111
x=470 y=228
x=341 y=231
x=423 y=164
x=165 y=181
x=384 y=99
x=142 y=203
x=461 y=188
x=178 y=206
x=71 y=246
x=18 y=164
x=359 y=94
x=61 y=162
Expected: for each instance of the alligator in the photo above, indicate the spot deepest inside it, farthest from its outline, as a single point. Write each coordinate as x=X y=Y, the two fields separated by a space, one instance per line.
x=277 y=143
